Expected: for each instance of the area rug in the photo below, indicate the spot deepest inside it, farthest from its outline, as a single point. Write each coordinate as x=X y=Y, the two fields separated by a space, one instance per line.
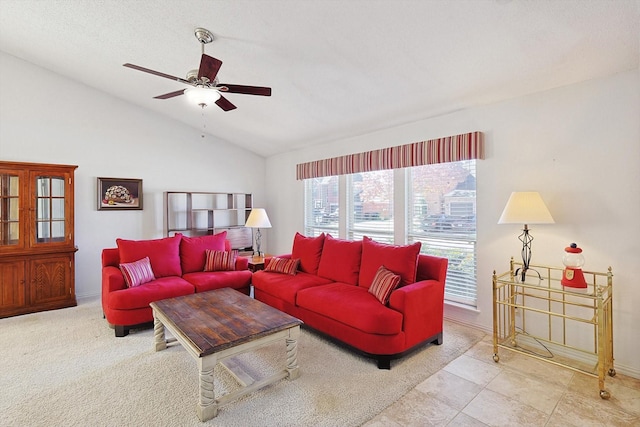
x=65 y=367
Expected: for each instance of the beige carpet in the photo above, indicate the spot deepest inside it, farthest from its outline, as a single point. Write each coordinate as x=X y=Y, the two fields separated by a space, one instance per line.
x=66 y=368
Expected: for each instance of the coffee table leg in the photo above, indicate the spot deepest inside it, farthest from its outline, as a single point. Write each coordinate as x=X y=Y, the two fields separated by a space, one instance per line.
x=207 y=405
x=292 y=353
x=158 y=334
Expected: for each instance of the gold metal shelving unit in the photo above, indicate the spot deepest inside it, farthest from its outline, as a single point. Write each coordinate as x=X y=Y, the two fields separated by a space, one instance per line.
x=560 y=325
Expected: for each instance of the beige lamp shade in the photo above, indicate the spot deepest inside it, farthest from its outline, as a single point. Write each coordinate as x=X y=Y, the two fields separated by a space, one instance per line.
x=258 y=219
x=525 y=207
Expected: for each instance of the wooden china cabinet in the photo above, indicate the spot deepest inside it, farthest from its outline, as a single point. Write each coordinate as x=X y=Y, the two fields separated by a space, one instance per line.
x=37 y=247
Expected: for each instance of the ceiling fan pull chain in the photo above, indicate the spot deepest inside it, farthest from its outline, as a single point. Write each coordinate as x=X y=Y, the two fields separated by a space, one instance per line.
x=204 y=124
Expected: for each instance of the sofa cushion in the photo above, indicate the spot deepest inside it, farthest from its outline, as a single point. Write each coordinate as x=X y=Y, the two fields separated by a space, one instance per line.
x=138 y=272
x=142 y=296
x=220 y=260
x=283 y=265
x=384 y=282
x=308 y=251
x=352 y=305
x=340 y=260
x=209 y=280
x=192 y=250
x=285 y=286
x=164 y=254
x=401 y=260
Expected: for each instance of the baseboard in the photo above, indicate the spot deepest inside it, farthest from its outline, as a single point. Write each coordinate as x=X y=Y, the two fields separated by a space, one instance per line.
x=87 y=298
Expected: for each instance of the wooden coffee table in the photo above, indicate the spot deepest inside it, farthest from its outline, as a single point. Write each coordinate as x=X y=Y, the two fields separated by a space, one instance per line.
x=219 y=324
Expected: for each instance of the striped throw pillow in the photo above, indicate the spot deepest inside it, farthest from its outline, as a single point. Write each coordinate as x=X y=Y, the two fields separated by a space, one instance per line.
x=384 y=282
x=138 y=272
x=283 y=265
x=220 y=260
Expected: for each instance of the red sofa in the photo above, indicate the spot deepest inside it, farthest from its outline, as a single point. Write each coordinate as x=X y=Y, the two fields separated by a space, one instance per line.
x=330 y=293
x=178 y=267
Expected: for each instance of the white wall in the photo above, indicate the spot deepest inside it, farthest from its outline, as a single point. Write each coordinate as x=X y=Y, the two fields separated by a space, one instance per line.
x=579 y=146
x=47 y=118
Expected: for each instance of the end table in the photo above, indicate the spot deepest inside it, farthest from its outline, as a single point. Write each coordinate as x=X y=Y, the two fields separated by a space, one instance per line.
x=256 y=263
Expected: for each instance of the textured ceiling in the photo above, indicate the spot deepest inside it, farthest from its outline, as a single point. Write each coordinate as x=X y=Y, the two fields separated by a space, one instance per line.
x=337 y=68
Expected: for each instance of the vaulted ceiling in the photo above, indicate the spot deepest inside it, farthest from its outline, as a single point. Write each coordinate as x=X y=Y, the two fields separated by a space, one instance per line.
x=336 y=68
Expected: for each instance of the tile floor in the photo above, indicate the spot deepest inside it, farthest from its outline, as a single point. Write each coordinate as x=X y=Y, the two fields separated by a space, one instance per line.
x=473 y=390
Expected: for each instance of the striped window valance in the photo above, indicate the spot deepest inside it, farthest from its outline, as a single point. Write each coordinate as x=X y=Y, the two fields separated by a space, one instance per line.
x=466 y=146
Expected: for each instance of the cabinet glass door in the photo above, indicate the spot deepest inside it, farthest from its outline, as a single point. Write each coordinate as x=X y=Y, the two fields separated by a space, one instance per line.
x=50 y=209
x=9 y=209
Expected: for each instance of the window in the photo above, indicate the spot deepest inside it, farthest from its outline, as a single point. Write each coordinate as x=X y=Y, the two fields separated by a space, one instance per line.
x=370 y=212
x=434 y=201
x=321 y=212
x=442 y=215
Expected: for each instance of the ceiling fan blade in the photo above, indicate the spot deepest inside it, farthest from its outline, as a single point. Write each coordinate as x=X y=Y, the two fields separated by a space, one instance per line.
x=247 y=90
x=170 y=94
x=209 y=67
x=156 y=73
x=225 y=104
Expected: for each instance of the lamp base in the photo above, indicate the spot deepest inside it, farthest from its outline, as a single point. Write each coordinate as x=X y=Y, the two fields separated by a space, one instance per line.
x=258 y=242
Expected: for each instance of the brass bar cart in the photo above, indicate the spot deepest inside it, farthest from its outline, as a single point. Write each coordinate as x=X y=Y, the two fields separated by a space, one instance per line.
x=564 y=326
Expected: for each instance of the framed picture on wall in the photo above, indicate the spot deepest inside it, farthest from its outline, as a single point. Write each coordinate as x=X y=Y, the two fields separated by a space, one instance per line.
x=119 y=194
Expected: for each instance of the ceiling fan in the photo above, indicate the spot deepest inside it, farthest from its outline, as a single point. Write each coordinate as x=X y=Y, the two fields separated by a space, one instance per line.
x=206 y=88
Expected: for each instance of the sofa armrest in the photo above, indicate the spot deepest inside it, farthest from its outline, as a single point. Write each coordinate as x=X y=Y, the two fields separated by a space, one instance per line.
x=242 y=263
x=112 y=280
x=432 y=267
x=110 y=256
x=422 y=307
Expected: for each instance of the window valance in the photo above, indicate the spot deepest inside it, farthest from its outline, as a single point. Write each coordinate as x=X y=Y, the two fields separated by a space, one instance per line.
x=466 y=146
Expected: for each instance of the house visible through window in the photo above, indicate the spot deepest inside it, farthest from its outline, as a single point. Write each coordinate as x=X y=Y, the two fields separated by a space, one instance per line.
x=442 y=215
x=370 y=212
x=321 y=206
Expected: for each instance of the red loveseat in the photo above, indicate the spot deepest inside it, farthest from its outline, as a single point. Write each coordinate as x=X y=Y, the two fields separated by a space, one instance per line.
x=178 y=265
x=330 y=293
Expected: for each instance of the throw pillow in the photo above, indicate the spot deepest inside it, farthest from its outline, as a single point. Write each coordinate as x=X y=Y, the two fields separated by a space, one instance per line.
x=308 y=251
x=192 y=250
x=403 y=260
x=137 y=273
x=220 y=260
x=164 y=254
x=340 y=260
x=384 y=282
x=283 y=265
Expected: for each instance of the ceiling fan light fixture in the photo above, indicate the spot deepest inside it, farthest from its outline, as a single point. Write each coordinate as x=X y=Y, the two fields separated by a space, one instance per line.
x=202 y=96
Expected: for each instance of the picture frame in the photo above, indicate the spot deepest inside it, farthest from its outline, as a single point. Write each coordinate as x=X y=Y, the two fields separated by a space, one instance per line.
x=119 y=194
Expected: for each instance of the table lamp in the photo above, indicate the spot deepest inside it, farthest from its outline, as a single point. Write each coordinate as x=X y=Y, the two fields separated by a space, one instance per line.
x=525 y=208
x=258 y=219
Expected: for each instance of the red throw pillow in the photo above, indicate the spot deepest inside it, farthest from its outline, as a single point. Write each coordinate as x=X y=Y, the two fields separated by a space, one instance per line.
x=192 y=250
x=384 y=282
x=308 y=251
x=137 y=273
x=283 y=265
x=164 y=254
x=340 y=260
x=402 y=260
x=220 y=260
